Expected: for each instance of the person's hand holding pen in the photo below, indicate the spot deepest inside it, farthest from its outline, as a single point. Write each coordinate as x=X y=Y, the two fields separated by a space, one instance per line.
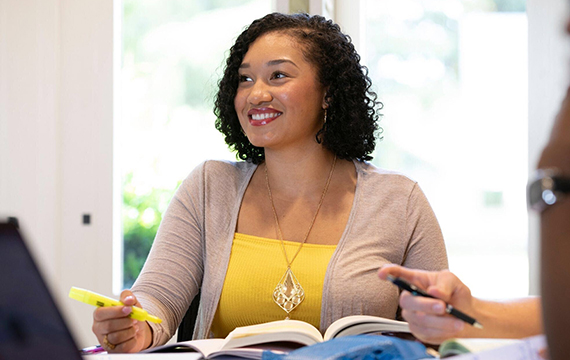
x=430 y=323
x=428 y=319
x=116 y=331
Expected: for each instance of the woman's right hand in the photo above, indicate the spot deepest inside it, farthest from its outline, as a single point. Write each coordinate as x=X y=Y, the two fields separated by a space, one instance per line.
x=116 y=331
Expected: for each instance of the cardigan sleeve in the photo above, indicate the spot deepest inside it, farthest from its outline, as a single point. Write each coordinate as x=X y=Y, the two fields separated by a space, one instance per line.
x=426 y=248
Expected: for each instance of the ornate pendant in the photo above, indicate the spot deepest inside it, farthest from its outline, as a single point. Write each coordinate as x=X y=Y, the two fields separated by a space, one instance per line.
x=288 y=293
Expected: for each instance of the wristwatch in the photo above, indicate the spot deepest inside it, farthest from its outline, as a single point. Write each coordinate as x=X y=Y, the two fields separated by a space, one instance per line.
x=546 y=188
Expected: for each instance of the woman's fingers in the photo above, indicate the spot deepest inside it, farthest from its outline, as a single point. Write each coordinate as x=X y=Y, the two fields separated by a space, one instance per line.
x=114 y=329
x=129 y=299
x=118 y=337
x=123 y=333
x=108 y=326
x=128 y=346
x=111 y=312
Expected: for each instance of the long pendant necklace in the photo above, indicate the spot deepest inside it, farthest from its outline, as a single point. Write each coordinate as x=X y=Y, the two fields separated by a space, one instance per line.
x=289 y=293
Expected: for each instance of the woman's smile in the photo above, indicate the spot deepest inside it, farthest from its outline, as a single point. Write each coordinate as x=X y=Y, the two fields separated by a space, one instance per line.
x=260 y=117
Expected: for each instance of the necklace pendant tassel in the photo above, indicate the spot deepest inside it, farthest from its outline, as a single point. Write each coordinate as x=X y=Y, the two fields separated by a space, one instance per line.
x=288 y=293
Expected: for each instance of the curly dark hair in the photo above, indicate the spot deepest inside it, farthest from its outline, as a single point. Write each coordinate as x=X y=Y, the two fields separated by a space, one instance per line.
x=352 y=113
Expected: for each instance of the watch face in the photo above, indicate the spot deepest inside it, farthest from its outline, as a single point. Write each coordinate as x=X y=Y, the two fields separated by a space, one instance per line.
x=548 y=188
x=540 y=194
x=548 y=197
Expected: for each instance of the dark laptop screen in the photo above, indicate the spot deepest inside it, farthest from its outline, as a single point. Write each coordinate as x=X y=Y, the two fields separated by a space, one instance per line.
x=31 y=326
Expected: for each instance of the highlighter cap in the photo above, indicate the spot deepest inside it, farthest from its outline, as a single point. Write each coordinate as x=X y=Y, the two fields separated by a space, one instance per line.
x=77 y=294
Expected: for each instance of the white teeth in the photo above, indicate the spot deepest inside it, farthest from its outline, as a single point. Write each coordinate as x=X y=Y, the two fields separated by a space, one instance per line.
x=263 y=116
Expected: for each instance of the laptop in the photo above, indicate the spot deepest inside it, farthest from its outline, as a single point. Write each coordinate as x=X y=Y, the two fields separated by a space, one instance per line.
x=31 y=326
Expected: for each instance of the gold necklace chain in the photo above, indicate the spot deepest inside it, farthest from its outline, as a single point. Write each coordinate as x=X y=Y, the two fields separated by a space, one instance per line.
x=289 y=294
x=312 y=221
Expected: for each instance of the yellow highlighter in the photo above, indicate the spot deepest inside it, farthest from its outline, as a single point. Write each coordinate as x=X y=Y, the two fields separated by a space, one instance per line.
x=91 y=298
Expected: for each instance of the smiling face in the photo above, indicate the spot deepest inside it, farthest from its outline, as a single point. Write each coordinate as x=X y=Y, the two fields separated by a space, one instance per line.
x=279 y=101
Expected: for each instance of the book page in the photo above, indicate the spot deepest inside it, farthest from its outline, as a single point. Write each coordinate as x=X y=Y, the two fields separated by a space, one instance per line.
x=143 y=356
x=213 y=348
x=275 y=331
x=205 y=346
x=364 y=324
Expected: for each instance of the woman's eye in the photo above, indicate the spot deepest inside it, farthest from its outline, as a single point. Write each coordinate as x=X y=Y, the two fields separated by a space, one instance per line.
x=243 y=78
x=278 y=75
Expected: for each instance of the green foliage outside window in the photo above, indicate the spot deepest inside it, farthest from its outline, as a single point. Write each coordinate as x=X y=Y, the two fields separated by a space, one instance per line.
x=142 y=214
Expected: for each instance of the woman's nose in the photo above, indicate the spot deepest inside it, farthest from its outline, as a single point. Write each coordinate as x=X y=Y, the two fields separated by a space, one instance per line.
x=260 y=93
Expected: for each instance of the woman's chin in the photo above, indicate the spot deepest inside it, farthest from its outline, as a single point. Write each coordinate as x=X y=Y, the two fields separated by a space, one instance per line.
x=261 y=141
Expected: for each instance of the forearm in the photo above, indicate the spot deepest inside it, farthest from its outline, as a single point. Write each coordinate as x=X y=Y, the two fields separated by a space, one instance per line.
x=555 y=276
x=555 y=242
x=509 y=319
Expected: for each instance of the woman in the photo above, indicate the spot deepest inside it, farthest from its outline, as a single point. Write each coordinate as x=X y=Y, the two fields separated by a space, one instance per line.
x=299 y=228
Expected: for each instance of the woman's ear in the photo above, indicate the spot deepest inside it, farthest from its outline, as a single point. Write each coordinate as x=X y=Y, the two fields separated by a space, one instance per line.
x=326 y=99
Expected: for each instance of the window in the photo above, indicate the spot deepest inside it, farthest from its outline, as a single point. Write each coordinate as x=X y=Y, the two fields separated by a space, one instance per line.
x=452 y=76
x=173 y=56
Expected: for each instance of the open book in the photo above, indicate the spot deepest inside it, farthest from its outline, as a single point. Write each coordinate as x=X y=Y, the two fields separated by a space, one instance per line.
x=249 y=342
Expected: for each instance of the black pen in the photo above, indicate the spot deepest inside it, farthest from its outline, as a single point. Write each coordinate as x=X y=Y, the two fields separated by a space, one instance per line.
x=414 y=290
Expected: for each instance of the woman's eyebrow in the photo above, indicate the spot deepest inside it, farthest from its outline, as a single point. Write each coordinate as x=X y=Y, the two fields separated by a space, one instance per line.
x=270 y=63
x=280 y=61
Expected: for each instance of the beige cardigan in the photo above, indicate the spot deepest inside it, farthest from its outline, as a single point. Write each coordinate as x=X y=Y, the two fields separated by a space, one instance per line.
x=391 y=221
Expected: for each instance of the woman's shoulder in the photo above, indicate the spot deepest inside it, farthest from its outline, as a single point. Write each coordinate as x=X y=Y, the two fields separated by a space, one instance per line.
x=229 y=167
x=387 y=185
x=373 y=173
x=221 y=170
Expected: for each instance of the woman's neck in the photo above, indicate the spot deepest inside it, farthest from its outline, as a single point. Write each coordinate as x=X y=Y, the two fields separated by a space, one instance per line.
x=297 y=174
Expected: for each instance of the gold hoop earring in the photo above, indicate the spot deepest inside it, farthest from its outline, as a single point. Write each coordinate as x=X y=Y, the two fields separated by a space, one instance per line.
x=325 y=116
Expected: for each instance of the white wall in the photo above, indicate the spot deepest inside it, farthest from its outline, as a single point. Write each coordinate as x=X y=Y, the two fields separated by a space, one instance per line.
x=29 y=122
x=56 y=130
x=56 y=140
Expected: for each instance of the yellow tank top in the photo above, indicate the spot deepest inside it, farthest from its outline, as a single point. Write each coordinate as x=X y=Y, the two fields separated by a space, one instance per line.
x=256 y=266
